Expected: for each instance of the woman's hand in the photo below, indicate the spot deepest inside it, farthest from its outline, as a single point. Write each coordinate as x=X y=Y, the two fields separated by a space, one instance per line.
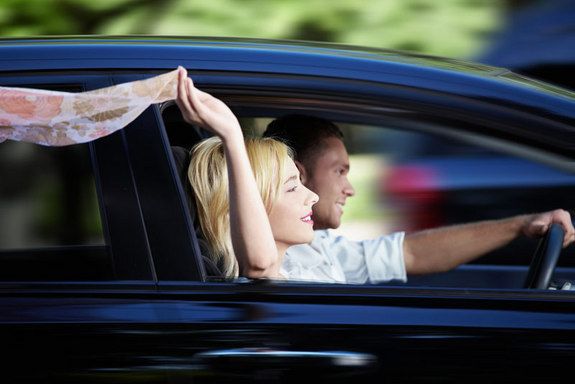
x=201 y=108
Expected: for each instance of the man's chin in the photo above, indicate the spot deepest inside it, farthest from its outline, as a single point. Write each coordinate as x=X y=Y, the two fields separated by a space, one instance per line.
x=326 y=225
x=335 y=225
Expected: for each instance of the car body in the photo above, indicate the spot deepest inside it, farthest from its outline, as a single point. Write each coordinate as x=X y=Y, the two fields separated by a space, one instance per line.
x=102 y=280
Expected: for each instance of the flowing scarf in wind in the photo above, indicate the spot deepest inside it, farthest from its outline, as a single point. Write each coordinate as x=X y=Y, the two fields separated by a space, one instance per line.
x=62 y=118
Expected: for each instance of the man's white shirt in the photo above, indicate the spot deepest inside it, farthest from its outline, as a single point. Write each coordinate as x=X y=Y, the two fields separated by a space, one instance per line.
x=336 y=259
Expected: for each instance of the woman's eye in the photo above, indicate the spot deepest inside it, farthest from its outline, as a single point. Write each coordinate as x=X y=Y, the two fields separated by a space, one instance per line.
x=292 y=189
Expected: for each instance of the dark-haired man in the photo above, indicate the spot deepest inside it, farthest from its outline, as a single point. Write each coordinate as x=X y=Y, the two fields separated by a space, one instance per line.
x=323 y=162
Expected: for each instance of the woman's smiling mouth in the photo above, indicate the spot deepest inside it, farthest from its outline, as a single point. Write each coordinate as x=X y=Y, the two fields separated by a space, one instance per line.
x=307 y=219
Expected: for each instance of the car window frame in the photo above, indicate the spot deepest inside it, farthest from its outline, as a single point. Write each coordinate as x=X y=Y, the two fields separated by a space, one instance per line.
x=174 y=248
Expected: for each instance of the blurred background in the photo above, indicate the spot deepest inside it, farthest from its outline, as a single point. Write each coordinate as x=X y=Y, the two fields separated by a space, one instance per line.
x=455 y=28
x=531 y=37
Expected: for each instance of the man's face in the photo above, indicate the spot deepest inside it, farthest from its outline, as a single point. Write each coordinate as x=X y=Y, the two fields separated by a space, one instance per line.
x=326 y=175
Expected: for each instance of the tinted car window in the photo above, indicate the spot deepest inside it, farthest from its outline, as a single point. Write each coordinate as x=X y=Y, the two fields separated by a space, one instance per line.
x=47 y=197
x=49 y=215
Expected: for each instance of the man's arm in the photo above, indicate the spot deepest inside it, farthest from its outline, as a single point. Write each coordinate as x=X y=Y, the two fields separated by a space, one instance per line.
x=441 y=249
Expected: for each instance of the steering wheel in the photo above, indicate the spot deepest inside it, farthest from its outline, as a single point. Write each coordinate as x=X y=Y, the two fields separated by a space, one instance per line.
x=545 y=258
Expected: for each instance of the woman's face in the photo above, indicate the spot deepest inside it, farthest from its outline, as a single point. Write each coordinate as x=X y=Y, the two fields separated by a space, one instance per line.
x=291 y=215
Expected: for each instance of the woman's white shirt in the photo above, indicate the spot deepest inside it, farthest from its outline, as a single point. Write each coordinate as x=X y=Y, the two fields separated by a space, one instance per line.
x=336 y=259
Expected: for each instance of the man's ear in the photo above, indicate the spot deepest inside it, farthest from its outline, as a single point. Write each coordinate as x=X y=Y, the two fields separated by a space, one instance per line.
x=302 y=172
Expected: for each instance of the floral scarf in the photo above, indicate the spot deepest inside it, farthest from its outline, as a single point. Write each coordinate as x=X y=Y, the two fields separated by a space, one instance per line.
x=62 y=118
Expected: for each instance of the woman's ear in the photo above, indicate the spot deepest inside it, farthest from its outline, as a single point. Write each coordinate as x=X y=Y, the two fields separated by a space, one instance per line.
x=302 y=172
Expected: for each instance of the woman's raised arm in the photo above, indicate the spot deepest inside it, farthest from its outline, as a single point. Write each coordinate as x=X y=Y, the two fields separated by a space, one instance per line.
x=251 y=232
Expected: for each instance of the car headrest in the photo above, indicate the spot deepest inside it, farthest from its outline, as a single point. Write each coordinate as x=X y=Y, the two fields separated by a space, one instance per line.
x=182 y=159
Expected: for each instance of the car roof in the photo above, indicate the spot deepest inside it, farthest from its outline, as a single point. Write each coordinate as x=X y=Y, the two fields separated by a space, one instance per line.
x=384 y=74
x=257 y=55
x=162 y=52
x=291 y=47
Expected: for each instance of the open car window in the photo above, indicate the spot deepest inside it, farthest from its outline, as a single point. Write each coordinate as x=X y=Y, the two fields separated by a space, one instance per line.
x=409 y=175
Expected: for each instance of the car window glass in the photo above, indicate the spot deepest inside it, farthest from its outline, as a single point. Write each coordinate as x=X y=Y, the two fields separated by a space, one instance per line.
x=49 y=216
x=47 y=197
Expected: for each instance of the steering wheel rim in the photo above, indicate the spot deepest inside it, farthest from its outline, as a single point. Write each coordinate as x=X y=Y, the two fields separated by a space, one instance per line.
x=545 y=258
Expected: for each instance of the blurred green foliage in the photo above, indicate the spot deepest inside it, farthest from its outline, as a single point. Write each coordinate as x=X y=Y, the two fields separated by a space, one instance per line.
x=454 y=28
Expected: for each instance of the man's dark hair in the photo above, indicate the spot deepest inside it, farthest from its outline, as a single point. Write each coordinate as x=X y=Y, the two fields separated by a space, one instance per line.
x=303 y=133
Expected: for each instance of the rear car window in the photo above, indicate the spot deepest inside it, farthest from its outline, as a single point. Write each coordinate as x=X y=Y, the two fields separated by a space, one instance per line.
x=50 y=221
x=50 y=226
x=47 y=197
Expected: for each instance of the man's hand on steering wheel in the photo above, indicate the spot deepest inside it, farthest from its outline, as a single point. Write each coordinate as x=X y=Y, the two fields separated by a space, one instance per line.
x=536 y=225
x=556 y=230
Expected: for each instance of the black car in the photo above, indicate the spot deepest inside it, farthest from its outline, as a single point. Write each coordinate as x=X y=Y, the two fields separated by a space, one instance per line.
x=102 y=276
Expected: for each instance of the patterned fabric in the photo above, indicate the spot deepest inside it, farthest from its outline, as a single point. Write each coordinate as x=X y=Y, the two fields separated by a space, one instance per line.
x=63 y=118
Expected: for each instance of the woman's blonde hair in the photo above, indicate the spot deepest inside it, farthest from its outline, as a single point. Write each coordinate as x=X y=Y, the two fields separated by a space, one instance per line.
x=208 y=177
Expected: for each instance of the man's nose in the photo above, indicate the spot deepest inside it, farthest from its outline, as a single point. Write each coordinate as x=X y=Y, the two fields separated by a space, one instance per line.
x=348 y=188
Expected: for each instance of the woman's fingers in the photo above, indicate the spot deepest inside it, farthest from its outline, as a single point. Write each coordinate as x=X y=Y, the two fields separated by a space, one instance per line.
x=182 y=99
x=182 y=92
x=196 y=101
x=191 y=91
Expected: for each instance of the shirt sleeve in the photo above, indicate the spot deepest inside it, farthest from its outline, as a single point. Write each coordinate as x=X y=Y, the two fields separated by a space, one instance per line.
x=371 y=261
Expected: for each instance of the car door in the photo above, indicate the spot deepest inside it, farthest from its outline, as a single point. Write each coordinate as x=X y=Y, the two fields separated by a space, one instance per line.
x=279 y=331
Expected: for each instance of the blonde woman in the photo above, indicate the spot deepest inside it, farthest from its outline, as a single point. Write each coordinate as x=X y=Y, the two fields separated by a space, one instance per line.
x=249 y=218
